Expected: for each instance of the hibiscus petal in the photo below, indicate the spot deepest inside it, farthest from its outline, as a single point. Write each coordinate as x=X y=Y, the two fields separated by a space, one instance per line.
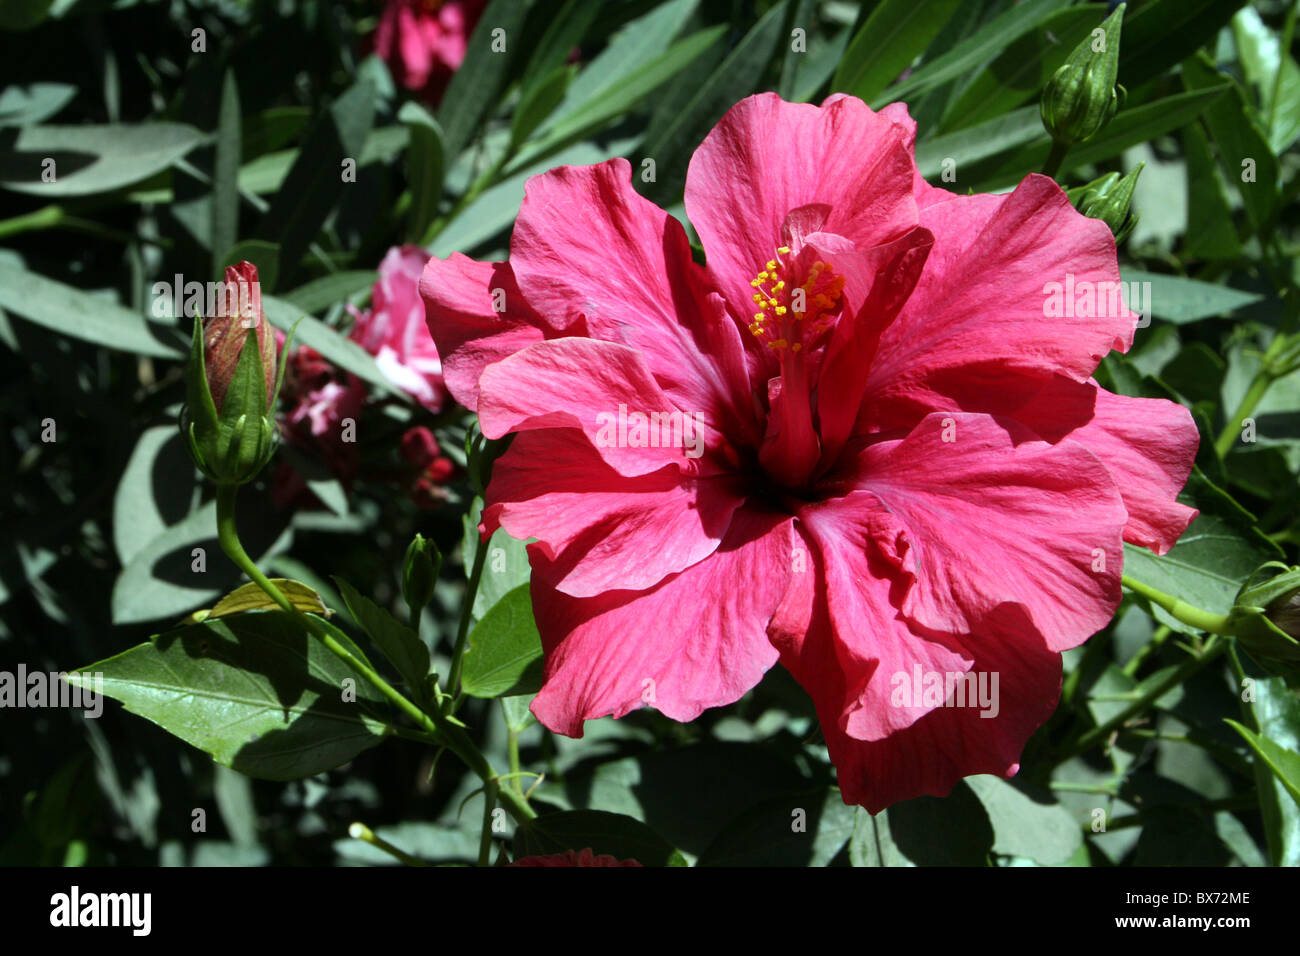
x=592 y=522
x=697 y=640
x=857 y=542
x=1148 y=445
x=980 y=312
x=994 y=515
x=469 y=333
x=931 y=755
x=591 y=385
x=767 y=157
x=587 y=246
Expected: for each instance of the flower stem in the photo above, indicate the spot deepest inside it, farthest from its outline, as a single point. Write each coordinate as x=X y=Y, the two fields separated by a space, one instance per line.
x=454 y=738
x=1211 y=650
x=1055 y=158
x=485 y=838
x=512 y=744
x=1180 y=609
x=466 y=614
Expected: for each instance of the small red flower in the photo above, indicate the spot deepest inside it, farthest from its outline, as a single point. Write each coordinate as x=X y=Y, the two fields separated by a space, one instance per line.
x=573 y=858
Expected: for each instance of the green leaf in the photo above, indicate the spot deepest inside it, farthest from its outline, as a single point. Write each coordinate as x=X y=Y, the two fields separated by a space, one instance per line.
x=1277 y=713
x=251 y=597
x=1023 y=67
x=23 y=14
x=1181 y=300
x=425 y=162
x=329 y=342
x=1243 y=150
x=477 y=84
x=162 y=580
x=518 y=716
x=968 y=146
x=1210 y=232
x=808 y=828
x=91 y=318
x=611 y=834
x=635 y=46
x=672 y=143
x=319 y=294
x=611 y=103
x=1212 y=559
x=398 y=642
x=974 y=52
x=1285 y=764
x=872 y=844
x=504 y=652
x=538 y=102
x=22 y=105
x=91 y=159
x=568 y=28
x=1161 y=33
x=1261 y=58
x=1129 y=127
x=1024 y=826
x=154 y=492
x=895 y=34
x=315 y=181
x=256 y=692
x=225 y=174
x=952 y=831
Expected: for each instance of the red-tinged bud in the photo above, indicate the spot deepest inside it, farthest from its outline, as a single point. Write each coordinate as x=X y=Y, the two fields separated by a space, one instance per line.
x=239 y=308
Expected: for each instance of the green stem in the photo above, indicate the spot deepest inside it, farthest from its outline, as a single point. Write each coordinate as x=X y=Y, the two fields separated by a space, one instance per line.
x=485 y=838
x=1187 y=613
x=1055 y=158
x=512 y=745
x=56 y=217
x=359 y=831
x=1288 y=31
x=1212 y=649
x=452 y=737
x=466 y=614
x=1146 y=650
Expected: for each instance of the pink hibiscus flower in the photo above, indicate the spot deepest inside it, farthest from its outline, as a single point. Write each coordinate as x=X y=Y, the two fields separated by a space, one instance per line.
x=393 y=329
x=863 y=441
x=424 y=41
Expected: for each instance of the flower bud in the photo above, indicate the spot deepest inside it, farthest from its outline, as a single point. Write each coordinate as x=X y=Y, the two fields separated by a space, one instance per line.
x=239 y=308
x=232 y=383
x=1266 y=618
x=420 y=573
x=1109 y=199
x=1081 y=97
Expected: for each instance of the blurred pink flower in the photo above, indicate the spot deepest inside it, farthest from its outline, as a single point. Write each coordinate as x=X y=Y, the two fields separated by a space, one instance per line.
x=432 y=468
x=424 y=41
x=393 y=329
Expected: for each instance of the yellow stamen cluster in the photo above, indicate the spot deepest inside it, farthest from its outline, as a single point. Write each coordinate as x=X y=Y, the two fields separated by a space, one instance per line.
x=790 y=318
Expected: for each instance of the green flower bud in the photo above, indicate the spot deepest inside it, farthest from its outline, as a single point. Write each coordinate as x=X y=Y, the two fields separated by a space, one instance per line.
x=1109 y=199
x=420 y=573
x=232 y=383
x=1081 y=97
x=1266 y=618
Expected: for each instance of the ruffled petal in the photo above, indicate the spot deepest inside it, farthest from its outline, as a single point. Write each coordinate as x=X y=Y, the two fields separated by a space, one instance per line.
x=587 y=246
x=982 y=319
x=993 y=515
x=593 y=524
x=767 y=157
x=695 y=641
x=459 y=297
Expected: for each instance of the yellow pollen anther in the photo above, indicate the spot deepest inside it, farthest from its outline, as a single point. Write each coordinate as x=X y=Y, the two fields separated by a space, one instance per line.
x=783 y=250
x=771 y=264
